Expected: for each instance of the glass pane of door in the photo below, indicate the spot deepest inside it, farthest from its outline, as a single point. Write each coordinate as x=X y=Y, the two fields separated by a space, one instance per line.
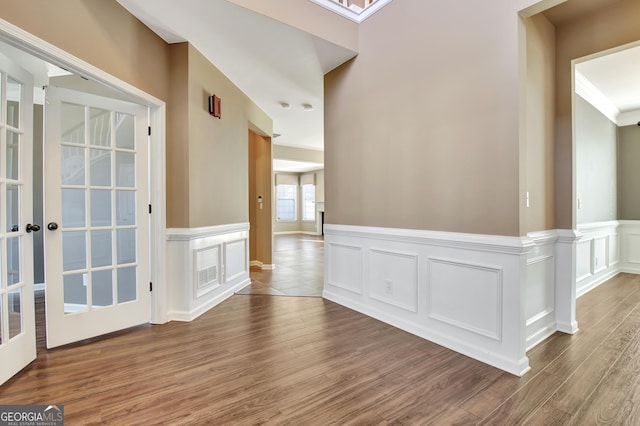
x=17 y=325
x=99 y=228
x=96 y=191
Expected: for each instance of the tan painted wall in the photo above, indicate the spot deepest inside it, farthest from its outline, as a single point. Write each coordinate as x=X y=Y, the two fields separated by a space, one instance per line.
x=282 y=152
x=178 y=135
x=629 y=173
x=218 y=148
x=260 y=183
x=309 y=17
x=101 y=33
x=609 y=27
x=421 y=128
x=320 y=186
x=540 y=125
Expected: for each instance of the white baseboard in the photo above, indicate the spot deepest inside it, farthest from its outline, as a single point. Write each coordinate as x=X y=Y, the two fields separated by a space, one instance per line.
x=597 y=281
x=219 y=298
x=261 y=265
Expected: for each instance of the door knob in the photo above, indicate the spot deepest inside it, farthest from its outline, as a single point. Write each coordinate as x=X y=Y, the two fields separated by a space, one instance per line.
x=34 y=228
x=52 y=226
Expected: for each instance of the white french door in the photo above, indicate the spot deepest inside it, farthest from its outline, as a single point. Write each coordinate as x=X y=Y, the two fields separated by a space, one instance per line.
x=96 y=213
x=17 y=319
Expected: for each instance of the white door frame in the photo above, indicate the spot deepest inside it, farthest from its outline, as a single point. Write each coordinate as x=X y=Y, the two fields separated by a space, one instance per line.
x=157 y=158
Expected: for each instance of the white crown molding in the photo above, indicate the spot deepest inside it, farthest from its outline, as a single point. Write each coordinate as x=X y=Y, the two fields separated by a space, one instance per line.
x=354 y=13
x=595 y=97
x=629 y=118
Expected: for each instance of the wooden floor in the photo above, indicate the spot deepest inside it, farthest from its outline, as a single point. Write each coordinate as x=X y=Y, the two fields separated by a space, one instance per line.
x=260 y=359
x=299 y=268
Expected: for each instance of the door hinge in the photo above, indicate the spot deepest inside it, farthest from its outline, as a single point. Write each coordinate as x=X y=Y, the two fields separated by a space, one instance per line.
x=149 y=128
x=149 y=208
x=150 y=286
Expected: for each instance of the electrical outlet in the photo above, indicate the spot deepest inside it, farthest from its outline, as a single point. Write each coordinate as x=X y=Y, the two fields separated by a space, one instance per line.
x=388 y=287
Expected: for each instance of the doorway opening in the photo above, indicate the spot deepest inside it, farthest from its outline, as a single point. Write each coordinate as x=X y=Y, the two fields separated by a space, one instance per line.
x=37 y=58
x=606 y=112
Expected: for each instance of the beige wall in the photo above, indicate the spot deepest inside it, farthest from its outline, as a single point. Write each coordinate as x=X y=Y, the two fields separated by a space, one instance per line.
x=320 y=186
x=101 y=33
x=613 y=26
x=178 y=138
x=421 y=128
x=538 y=162
x=218 y=148
x=629 y=173
x=282 y=152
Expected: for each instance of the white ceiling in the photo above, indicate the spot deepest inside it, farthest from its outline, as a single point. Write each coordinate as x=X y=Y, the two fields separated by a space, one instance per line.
x=612 y=84
x=269 y=61
x=290 y=166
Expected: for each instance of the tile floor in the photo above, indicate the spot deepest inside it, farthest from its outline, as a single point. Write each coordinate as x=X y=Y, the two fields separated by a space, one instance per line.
x=299 y=268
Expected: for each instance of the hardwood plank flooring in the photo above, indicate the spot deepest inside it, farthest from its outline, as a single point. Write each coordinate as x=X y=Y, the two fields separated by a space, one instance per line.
x=299 y=268
x=257 y=359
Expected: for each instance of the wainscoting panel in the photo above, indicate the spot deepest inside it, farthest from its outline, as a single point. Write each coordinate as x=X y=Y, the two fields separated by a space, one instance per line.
x=614 y=250
x=540 y=295
x=630 y=246
x=600 y=260
x=394 y=279
x=344 y=267
x=633 y=249
x=235 y=260
x=541 y=288
x=466 y=295
x=597 y=257
x=583 y=260
x=461 y=291
x=205 y=266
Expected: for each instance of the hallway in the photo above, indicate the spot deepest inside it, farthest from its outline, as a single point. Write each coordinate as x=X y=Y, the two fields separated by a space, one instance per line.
x=305 y=360
x=299 y=268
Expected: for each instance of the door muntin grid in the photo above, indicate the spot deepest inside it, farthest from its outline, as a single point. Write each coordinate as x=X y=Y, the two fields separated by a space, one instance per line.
x=12 y=285
x=99 y=195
